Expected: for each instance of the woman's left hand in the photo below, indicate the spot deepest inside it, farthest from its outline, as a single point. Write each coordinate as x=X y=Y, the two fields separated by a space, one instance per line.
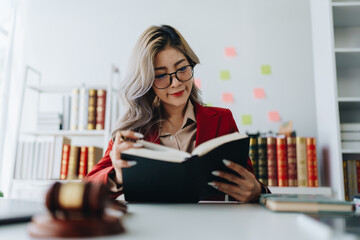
x=246 y=187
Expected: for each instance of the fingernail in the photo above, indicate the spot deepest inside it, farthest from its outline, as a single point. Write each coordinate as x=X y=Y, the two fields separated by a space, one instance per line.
x=137 y=144
x=131 y=163
x=117 y=134
x=213 y=185
x=215 y=173
x=226 y=162
x=138 y=135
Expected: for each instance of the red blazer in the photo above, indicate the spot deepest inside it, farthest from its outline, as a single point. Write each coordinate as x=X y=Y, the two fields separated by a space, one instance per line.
x=212 y=122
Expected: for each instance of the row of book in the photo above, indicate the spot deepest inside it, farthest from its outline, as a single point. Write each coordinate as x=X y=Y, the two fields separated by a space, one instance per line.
x=84 y=109
x=42 y=158
x=284 y=161
x=77 y=161
x=350 y=135
x=351 y=170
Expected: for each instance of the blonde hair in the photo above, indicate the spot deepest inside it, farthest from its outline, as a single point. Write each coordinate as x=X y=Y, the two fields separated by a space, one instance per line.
x=142 y=107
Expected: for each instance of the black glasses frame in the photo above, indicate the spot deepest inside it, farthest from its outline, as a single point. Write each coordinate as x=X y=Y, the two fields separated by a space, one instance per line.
x=171 y=78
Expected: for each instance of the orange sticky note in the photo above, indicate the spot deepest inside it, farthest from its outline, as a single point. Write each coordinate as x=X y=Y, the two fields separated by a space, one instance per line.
x=227 y=97
x=230 y=52
x=198 y=83
x=274 y=116
x=259 y=93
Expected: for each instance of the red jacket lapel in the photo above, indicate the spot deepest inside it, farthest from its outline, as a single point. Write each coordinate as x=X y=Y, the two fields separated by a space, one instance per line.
x=207 y=124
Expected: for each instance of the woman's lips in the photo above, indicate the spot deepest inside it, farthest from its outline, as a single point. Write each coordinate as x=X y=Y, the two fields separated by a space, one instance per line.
x=178 y=94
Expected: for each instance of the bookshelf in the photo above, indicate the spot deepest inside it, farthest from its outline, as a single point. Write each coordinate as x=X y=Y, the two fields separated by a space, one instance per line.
x=336 y=50
x=32 y=185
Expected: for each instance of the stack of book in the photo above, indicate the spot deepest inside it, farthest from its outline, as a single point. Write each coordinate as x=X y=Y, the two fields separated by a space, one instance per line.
x=84 y=109
x=47 y=121
x=350 y=135
x=53 y=157
x=77 y=161
x=284 y=161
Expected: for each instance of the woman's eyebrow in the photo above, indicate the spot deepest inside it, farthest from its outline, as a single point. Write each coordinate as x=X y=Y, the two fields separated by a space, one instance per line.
x=177 y=63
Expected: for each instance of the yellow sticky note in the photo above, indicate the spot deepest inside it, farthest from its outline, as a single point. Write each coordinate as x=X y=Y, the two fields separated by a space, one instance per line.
x=224 y=74
x=259 y=93
x=208 y=104
x=227 y=97
x=274 y=116
x=265 y=69
x=198 y=82
x=230 y=52
x=246 y=119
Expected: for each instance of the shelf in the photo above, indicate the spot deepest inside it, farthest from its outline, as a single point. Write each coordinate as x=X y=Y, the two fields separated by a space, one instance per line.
x=62 y=88
x=349 y=99
x=67 y=133
x=301 y=190
x=346 y=14
x=351 y=151
x=345 y=3
x=347 y=50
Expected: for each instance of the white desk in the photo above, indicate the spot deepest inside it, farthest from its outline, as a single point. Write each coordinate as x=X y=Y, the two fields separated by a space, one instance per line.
x=207 y=221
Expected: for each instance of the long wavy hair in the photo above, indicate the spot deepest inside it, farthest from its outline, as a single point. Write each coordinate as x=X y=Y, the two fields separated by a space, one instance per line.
x=143 y=109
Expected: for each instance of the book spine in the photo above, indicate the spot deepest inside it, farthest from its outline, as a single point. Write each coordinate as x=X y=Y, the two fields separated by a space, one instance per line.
x=282 y=162
x=272 y=162
x=254 y=156
x=74 y=113
x=100 y=109
x=92 y=110
x=262 y=156
x=65 y=161
x=73 y=162
x=83 y=162
x=352 y=182
x=291 y=159
x=311 y=162
x=358 y=175
x=301 y=161
x=346 y=185
x=83 y=109
x=94 y=155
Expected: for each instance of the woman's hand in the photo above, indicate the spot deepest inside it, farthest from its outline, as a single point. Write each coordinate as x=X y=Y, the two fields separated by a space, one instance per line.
x=246 y=187
x=121 y=145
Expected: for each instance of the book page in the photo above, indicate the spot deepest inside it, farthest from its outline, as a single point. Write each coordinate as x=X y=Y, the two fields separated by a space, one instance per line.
x=158 y=152
x=207 y=146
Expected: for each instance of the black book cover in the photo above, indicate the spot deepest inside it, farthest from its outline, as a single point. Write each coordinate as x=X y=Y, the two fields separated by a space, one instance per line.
x=153 y=180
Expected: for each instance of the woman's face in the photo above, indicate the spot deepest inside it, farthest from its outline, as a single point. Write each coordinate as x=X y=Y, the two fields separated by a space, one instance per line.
x=168 y=61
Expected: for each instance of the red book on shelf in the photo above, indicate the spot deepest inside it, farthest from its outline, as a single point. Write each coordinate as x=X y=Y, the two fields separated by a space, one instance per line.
x=282 y=162
x=64 y=161
x=311 y=162
x=83 y=162
x=291 y=159
x=100 y=109
x=271 y=162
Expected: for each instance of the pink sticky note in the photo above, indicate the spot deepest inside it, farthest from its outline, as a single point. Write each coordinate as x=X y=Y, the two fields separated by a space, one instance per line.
x=274 y=116
x=259 y=93
x=227 y=97
x=230 y=52
x=198 y=83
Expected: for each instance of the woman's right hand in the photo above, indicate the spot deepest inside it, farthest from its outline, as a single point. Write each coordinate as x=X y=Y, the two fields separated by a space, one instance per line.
x=119 y=146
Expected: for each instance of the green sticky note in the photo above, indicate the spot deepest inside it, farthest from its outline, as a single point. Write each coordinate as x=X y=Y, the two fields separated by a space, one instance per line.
x=265 y=69
x=246 y=119
x=224 y=74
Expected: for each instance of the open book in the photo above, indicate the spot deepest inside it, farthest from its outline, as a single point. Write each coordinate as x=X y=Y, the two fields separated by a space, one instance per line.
x=164 y=174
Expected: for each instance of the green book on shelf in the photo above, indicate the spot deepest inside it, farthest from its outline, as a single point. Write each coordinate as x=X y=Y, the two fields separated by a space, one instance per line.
x=305 y=203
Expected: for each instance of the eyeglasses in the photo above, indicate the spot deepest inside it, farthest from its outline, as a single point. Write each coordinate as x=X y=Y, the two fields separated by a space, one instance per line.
x=183 y=74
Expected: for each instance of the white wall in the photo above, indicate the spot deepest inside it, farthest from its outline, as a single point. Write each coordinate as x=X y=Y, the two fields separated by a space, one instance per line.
x=77 y=41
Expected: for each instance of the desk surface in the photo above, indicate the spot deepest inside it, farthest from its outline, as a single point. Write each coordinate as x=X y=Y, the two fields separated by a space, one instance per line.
x=207 y=221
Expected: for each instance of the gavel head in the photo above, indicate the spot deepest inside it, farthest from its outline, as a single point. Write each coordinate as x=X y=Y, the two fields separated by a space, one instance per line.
x=76 y=200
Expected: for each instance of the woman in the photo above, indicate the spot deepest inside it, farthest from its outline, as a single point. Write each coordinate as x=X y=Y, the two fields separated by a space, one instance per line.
x=163 y=105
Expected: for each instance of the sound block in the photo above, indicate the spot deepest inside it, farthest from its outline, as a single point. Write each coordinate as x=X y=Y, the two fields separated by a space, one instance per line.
x=46 y=226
